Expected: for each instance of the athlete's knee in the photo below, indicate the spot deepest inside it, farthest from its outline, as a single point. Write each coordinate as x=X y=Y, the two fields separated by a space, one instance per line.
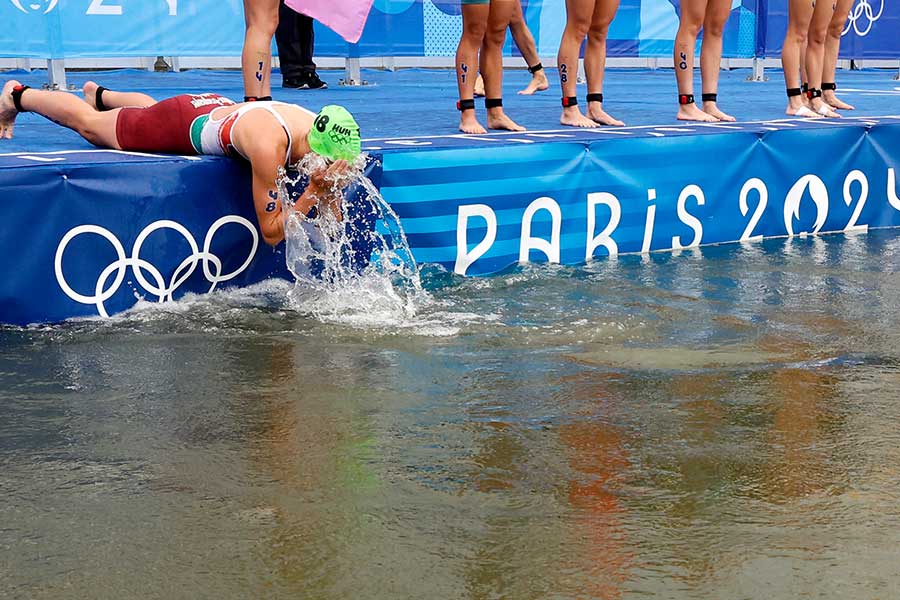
x=690 y=28
x=836 y=30
x=714 y=28
x=816 y=37
x=796 y=35
x=597 y=37
x=495 y=36
x=474 y=31
x=579 y=26
x=262 y=22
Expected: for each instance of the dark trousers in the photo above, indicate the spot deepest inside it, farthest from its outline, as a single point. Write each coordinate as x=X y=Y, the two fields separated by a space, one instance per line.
x=294 y=38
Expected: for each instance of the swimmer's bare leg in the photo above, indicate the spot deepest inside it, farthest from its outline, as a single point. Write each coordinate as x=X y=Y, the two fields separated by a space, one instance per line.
x=475 y=17
x=595 y=61
x=492 y=66
x=526 y=45
x=578 y=21
x=112 y=99
x=99 y=128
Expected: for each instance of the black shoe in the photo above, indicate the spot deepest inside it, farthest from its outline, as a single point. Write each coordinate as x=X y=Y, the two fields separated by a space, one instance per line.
x=306 y=81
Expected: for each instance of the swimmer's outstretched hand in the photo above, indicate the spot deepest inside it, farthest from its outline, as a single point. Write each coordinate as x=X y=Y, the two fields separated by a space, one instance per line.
x=8 y=110
x=327 y=184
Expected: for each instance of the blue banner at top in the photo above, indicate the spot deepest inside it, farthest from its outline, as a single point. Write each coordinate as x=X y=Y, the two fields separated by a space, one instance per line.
x=421 y=28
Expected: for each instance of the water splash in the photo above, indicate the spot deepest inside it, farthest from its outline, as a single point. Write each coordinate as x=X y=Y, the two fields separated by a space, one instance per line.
x=356 y=269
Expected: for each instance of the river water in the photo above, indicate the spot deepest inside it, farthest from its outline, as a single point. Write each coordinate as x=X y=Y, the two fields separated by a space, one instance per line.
x=718 y=423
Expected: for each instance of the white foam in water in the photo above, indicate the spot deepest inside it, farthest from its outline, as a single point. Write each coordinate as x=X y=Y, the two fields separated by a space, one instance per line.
x=323 y=255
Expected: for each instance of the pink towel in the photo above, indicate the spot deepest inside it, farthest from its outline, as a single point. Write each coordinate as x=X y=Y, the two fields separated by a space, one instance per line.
x=346 y=17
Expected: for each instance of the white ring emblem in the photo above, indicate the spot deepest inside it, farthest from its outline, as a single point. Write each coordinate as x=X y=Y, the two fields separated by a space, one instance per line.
x=864 y=12
x=158 y=288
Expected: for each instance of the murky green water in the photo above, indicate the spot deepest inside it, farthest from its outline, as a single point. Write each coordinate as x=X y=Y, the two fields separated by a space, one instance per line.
x=723 y=423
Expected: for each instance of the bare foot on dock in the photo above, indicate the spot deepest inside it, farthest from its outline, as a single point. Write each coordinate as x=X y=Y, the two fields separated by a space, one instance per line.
x=8 y=110
x=497 y=119
x=538 y=83
x=835 y=102
x=711 y=108
x=824 y=109
x=690 y=112
x=468 y=123
x=801 y=110
x=90 y=93
x=572 y=117
x=598 y=115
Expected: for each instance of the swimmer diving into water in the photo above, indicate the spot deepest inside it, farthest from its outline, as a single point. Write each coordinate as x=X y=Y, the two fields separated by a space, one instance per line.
x=267 y=134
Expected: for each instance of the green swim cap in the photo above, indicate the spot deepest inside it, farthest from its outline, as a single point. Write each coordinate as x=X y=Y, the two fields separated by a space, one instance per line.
x=334 y=134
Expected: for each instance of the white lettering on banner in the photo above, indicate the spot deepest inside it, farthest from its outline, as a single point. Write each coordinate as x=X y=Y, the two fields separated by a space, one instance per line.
x=464 y=258
x=859 y=177
x=138 y=265
x=892 y=189
x=819 y=194
x=753 y=184
x=687 y=218
x=98 y=8
x=604 y=238
x=856 y=201
x=864 y=14
x=35 y=6
x=528 y=243
x=650 y=221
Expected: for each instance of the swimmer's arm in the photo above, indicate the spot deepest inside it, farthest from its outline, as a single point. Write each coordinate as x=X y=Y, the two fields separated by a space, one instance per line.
x=265 y=195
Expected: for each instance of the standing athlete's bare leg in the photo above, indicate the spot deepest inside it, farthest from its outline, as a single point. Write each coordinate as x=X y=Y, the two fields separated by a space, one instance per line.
x=63 y=108
x=815 y=56
x=717 y=12
x=579 y=14
x=110 y=99
x=595 y=61
x=491 y=64
x=261 y=19
x=832 y=48
x=799 y=15
x=475 y=18
x=526 y=45
x=693 y=12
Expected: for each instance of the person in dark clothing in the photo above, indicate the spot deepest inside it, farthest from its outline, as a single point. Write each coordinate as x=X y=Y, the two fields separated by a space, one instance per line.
x=295 y=40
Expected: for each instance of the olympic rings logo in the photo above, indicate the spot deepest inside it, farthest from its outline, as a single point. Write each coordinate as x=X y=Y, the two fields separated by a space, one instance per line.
x=864 y=12
x=212 y=265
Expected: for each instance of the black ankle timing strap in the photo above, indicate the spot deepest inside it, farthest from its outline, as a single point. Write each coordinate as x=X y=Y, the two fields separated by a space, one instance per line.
x=17 y=96
x=98 y=99
x=535 y=68
x=791 y=92
x=804 y=88
x=493 y=102
x=595 y=97
x=257 y=98
x=685 y=98
x=468 y=104
x=710 y=97
x=813 y=93
x=829 y=87
x=568 y=101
